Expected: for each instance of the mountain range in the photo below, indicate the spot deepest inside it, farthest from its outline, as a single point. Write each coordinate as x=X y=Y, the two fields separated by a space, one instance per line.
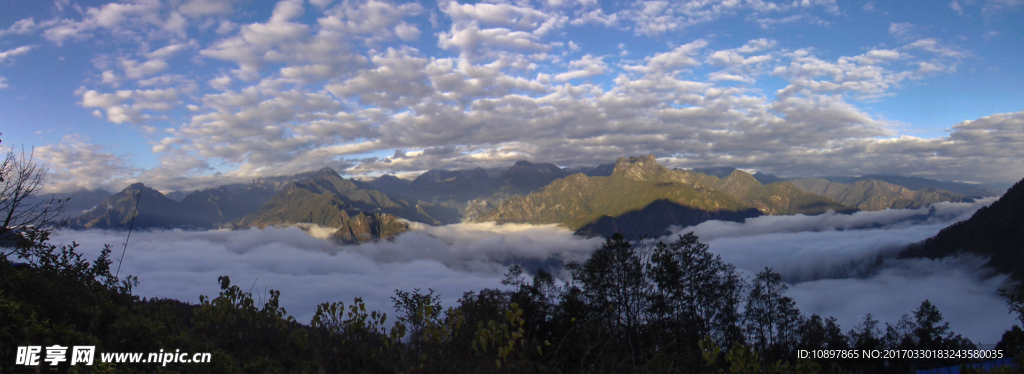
x=873 y=194
x=634 y=195
x=645 y=198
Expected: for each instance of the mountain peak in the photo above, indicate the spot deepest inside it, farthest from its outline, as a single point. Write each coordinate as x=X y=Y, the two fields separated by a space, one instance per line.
x=637 y=168
x=743 y=176
x=721 y=172
x=326 y=172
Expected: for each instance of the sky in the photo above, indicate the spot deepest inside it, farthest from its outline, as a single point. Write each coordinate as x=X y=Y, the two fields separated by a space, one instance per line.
x=822 y=259
x=186 y=94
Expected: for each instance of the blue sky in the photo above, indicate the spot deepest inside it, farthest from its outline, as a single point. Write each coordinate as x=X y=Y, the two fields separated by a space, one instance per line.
x=188 y=94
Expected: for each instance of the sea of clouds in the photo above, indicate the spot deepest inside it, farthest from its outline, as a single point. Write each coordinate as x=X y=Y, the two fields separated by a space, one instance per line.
x=836 y=265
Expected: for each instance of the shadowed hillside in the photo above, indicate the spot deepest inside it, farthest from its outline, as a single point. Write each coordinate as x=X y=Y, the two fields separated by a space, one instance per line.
x=116 y=211
x=996 y=231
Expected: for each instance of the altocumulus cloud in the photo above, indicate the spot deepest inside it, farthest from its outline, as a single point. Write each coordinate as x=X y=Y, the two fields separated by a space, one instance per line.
x=837 y=265
x=229 y=92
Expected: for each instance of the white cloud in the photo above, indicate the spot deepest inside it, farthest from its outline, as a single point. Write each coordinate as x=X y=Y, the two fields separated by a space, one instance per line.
x=374 y=20
x=21 y=27
x=494 y=14
x=202 y=8
x=108 y=77
x=255 y=40
x=75 y=163
x=489 y=30
x=993 y=8
x=724 y=76
x=587 y=66
x=167 y=51
x=867 y=75
x=321 y=3
x=3 y=83
x=933 y=46
x=11 y=53
x=407 y=32
x=135 y=70
x=667 y=62
x=127 y=19
x=902 y=30
x=657 y=17
x=596 y=16
x=225 y=27
x=768 y=23
x=955 y=6
x=117 y=107
x=220 y=83
x=289 y=93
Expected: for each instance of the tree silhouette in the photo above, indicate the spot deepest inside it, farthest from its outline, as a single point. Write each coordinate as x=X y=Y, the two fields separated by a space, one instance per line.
x=21 y=178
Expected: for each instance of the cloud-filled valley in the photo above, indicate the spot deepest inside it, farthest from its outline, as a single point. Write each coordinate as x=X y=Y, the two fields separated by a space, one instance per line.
x=821 y=257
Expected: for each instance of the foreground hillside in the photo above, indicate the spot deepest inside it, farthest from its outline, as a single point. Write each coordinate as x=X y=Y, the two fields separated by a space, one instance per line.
x=995 y=232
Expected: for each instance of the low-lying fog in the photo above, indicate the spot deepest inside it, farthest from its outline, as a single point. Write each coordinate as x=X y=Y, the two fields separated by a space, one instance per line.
x=837 y=265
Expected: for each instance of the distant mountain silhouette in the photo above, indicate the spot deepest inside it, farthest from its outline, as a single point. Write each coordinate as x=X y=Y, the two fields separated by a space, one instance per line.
x=470 y=184
x=918 y=183
x=874 y=195
x=77 y=202
x=767 y=178
x=390 y=185
x=178 y=195
x=201 y=209
x=117 y=211
x=720 y=171
x=525 y=177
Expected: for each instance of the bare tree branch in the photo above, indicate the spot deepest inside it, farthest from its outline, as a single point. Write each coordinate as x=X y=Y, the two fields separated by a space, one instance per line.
x=21 y=179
